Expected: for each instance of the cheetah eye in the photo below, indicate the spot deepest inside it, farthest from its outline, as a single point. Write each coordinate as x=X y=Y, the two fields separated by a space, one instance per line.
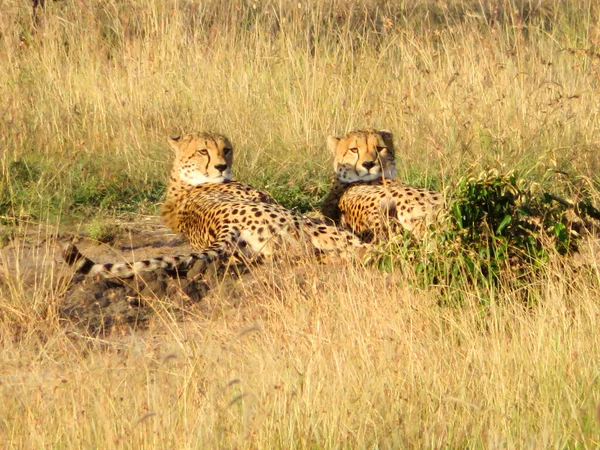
x=203 y=152
x=380 y=149
x=226 y=151
x=354 y=149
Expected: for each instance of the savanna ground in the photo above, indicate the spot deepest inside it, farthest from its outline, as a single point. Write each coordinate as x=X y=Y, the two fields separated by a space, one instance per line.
x=296 y=354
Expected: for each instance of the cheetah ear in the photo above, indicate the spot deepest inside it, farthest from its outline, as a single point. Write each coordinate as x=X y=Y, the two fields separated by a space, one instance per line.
x=174 y=142
x=386 y=134
x=387 y=137
x=332 y=143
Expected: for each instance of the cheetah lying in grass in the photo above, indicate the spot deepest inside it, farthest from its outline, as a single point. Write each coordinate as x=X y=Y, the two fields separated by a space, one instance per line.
x=365 y=197
x=222 y=218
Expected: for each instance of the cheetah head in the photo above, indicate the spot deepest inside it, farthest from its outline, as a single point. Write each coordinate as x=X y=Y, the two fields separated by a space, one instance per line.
x=363 y=155
x=202 y=158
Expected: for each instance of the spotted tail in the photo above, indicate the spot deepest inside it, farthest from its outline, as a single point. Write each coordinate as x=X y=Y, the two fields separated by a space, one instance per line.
x=180 y=263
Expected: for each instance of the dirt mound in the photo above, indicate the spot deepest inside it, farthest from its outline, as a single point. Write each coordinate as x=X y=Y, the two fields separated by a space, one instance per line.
x=98 y=306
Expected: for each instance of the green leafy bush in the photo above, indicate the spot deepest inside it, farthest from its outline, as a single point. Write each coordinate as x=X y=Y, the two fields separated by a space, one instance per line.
x=496 y=228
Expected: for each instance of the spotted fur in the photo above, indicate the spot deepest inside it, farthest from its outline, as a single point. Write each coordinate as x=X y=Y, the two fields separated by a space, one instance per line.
x=366 y=198
x=223 y=218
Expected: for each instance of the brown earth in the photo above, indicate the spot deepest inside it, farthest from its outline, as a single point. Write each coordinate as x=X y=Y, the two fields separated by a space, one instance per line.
x=31 y=260
x=32 y=267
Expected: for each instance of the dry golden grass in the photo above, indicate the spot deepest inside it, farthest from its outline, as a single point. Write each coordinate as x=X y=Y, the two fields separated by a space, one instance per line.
x=514 y=87
x=310 y=356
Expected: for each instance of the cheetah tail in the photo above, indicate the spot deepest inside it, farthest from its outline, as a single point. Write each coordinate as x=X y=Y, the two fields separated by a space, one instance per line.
x=78 y=261
x=85 y=266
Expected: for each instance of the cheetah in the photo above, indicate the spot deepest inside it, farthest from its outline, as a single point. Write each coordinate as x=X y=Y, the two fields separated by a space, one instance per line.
x=222 y=218
x=366 y=198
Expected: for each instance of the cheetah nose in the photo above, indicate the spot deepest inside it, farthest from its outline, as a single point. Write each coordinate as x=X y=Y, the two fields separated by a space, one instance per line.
x=368 y=165
x=221 y=167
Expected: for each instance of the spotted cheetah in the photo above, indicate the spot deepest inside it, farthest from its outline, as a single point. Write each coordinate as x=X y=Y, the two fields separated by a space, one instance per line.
x=222 y=218
x=365 y=197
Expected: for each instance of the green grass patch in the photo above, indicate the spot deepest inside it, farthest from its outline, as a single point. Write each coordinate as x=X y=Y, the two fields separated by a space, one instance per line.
x=81 y=189
x=298 y=190
x=102 y=230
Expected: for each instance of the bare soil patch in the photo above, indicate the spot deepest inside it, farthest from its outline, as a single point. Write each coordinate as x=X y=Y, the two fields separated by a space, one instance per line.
x=32 y=264
x=95 y=305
